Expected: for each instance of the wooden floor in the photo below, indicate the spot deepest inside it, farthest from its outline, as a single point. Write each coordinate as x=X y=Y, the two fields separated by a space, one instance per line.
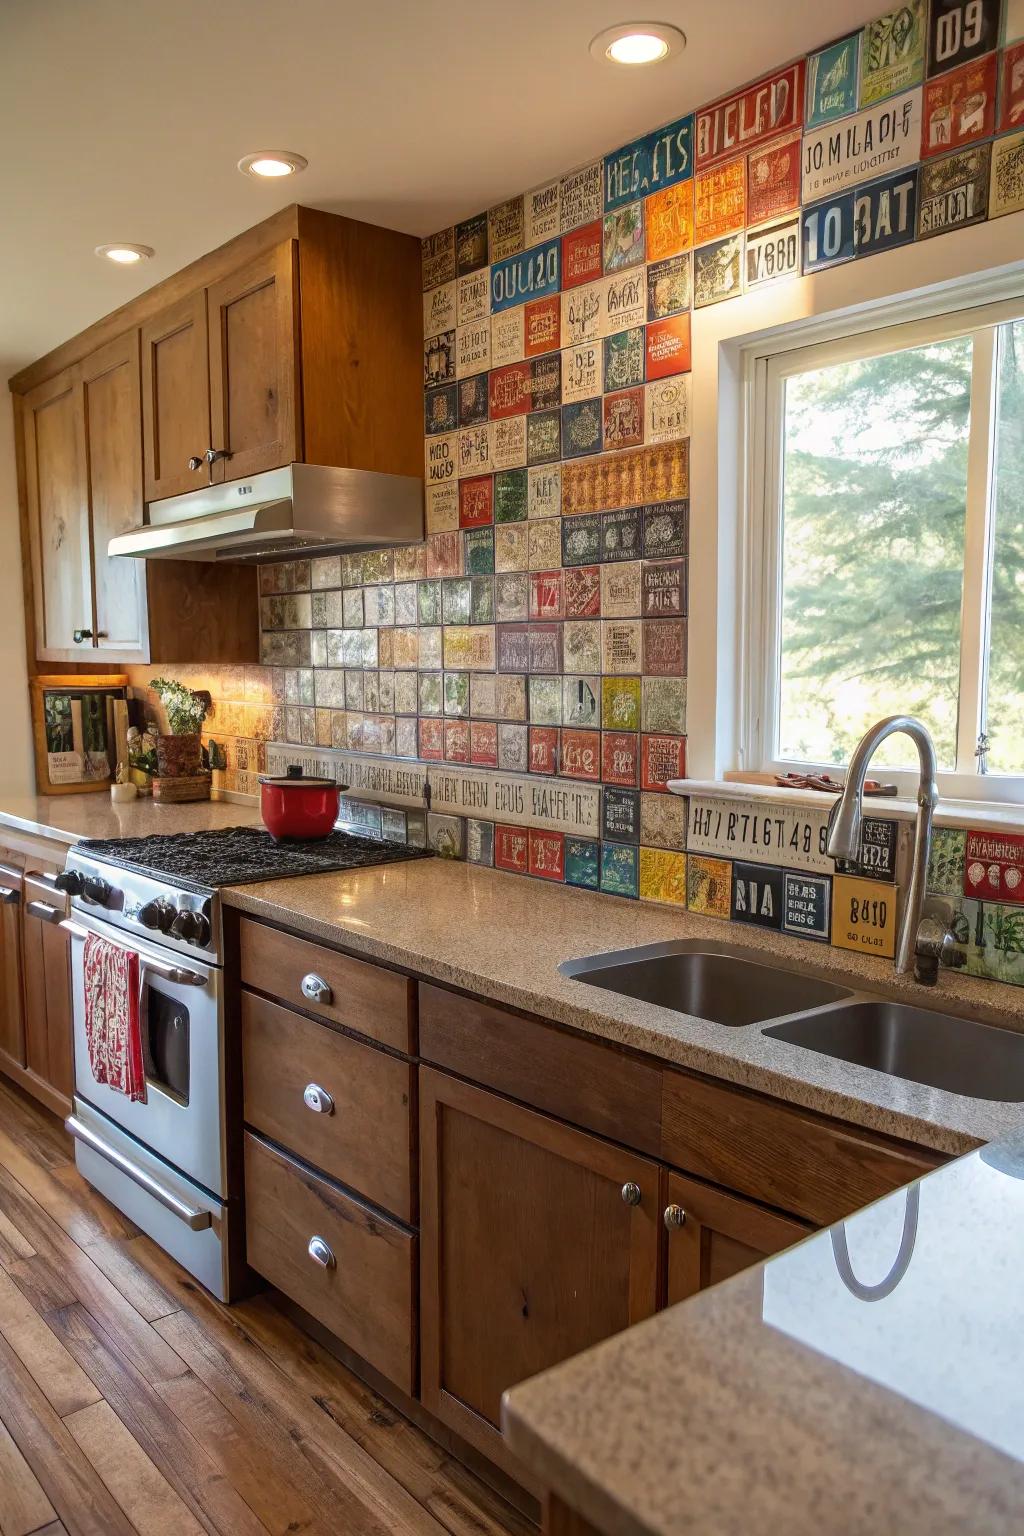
x=132 y=1402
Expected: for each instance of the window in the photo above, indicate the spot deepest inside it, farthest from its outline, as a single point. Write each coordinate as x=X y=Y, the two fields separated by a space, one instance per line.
x=885 y=556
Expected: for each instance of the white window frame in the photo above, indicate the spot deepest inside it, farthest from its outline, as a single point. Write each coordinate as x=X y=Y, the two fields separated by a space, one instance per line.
x=760 y=575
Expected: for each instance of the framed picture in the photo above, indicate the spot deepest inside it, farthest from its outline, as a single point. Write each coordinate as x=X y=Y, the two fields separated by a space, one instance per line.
x=76 y=730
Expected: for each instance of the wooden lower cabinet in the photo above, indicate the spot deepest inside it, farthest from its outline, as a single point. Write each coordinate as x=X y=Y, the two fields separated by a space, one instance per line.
x=531 y=1249
x=12 y=1008
x=712 y=1235
x=36 y=1037
x=46 y=954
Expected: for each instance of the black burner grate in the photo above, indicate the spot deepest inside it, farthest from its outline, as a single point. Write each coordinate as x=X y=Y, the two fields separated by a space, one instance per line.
x=242 y=855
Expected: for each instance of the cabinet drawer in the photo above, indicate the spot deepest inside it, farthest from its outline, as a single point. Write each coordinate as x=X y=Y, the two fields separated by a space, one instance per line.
x=366 y=1295
x=363 y=997
x=585 y=1081
x=781 y=1155
x=363 y=1138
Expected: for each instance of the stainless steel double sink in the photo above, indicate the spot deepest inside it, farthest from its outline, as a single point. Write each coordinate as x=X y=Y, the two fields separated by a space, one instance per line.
x=722 y=983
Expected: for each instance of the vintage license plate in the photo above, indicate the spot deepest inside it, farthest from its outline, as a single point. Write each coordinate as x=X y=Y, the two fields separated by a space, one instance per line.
x=864 y=916
x=658 y=160
x=529 y=275
x=787 y=835
x=994 y=867
x=880 y=139
x=885 y=213
x=773 y=253
x=741 y=121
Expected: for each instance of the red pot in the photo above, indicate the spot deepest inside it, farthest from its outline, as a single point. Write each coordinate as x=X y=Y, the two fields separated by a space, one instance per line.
x=298 y=806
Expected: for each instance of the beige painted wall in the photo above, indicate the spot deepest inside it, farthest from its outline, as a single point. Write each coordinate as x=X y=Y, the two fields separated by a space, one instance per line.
x=16 y=771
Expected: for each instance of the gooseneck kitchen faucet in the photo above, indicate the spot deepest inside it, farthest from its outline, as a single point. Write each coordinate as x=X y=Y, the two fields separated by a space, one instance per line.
x=919 y=946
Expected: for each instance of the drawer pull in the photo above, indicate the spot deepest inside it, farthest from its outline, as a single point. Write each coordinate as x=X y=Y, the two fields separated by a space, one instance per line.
x=321 y=1253
x=9 y=897
x=318 y=1099
x=316 y=989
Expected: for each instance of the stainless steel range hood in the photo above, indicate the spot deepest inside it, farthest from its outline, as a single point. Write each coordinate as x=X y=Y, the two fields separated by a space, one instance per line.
x=302 y=507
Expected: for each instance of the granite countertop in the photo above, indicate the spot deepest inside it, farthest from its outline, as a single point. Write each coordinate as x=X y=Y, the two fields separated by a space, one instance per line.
x=69 y=818
x=503 y=937
x=869 y=1380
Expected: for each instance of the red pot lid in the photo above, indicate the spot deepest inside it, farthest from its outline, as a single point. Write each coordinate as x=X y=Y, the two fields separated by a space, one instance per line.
x=296 y=779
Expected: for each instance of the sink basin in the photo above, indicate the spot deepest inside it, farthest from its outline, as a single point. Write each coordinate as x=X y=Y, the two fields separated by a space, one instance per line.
x=936 y=1049
x=713 y=981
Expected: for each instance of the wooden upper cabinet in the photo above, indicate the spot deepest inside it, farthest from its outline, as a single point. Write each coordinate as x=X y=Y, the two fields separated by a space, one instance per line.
x=254 y=385
x=712 y=1235
x=176 y=398
x=56 y=498
x=111 y=427
x=531 y=1248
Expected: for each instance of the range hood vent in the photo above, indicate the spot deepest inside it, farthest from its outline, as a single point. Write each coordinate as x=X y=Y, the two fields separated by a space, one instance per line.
x=302 y=508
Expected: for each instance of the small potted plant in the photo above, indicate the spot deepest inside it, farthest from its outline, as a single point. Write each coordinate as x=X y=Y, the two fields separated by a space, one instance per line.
x=179 y=753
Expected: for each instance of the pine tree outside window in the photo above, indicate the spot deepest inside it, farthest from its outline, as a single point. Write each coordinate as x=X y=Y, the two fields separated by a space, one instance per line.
x=885 y=550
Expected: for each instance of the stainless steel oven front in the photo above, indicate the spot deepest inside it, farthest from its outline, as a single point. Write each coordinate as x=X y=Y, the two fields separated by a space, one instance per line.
x=181 y=1013
x=163 y=1161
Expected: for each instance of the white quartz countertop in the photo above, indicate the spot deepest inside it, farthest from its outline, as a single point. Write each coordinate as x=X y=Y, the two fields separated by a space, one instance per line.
x=503 y=937
x=868 y=1381
x=68 y=819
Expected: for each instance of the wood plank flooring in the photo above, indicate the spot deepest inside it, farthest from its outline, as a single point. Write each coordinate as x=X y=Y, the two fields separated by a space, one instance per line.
x=132 y=1402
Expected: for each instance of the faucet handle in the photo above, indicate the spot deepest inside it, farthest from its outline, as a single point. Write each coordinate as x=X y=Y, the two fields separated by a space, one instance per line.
x=935 y=946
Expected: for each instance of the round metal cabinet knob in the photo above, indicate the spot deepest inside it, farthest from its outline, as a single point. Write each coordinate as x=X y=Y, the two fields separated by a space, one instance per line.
x=318 y=1099
x=632 y=1193
x=674 y=1217
x=195 y=462
x=321 y=1253
x=316 y=989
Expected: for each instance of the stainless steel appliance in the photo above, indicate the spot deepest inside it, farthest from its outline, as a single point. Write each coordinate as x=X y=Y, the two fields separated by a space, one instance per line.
x=308 y=508
x=167 y=1162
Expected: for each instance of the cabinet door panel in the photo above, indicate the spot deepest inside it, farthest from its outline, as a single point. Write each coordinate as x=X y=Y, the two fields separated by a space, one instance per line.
x=720 y=1236
x=253 y=356
x=112 y=446
x=58 y=518
x=12 y=1018
x=175 y=398
x=529 y=1251
x=47 y=974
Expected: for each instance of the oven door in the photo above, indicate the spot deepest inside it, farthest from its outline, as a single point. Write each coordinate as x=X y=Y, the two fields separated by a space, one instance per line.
x=182 y=1022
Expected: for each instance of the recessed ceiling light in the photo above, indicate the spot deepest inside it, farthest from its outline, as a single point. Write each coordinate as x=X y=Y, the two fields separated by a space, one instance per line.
x=272 y=162
x=125 y=254
x=637 y=42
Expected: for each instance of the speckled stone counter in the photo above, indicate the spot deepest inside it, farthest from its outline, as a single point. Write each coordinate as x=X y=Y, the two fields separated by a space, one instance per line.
x=868 y=1381
x=504 y=937
x=69 y=818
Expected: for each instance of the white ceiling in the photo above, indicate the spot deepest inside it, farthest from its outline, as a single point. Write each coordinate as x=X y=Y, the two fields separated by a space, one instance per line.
x=124 y=119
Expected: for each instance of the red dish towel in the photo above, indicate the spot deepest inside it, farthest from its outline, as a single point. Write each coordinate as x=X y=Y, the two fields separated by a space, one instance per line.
x=112 y=1028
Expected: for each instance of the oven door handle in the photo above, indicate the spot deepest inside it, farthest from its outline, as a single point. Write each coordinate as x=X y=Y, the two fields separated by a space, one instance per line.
x=192 y=1215
x=179 y=974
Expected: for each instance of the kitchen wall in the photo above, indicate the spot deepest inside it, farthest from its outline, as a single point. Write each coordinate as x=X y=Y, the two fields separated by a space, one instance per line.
x=540 y=656
x=17 y=776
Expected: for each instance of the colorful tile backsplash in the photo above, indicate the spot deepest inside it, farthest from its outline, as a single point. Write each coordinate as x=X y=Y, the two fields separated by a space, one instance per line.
x=527 y=663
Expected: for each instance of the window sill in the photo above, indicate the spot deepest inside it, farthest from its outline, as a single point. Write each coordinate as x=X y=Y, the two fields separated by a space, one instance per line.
x=948 y=813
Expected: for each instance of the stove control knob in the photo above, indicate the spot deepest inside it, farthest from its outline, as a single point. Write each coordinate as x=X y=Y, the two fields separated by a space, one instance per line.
x=70 y=881
x=157 y=914
x=186 y=926
x=203 y=930
x=96 y=890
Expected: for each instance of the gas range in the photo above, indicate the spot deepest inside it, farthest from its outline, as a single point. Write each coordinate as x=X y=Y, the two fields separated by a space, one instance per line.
x=166 y=886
